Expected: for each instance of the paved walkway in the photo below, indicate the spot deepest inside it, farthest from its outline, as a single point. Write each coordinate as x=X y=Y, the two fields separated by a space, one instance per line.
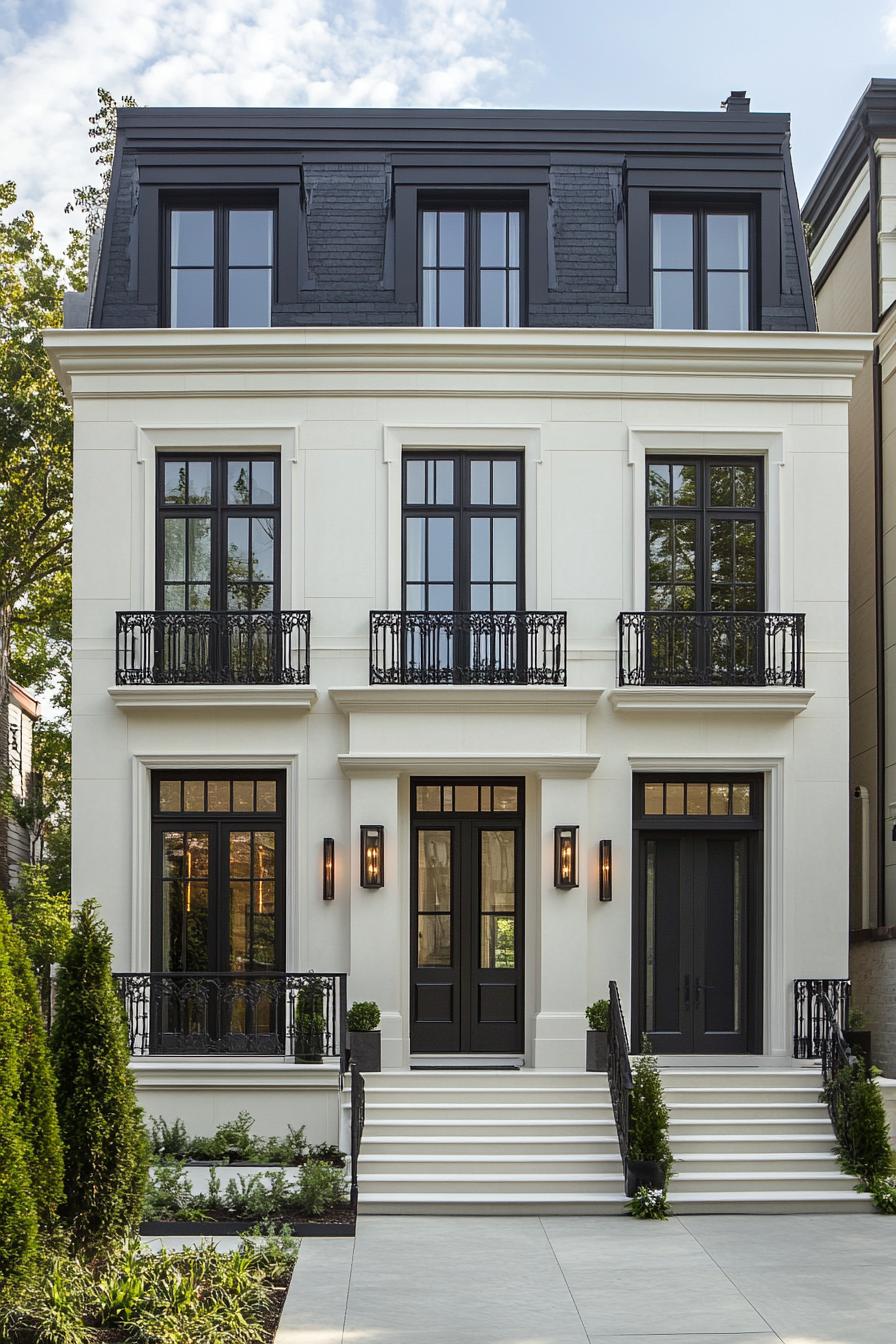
x=707 y=1280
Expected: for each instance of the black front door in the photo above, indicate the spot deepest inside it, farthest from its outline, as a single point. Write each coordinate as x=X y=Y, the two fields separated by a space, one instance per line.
x=467 y=917
x=698 y=970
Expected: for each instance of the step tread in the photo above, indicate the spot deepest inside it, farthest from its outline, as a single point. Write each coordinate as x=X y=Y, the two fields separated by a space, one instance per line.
x=498 y=1178
x=447 y=1197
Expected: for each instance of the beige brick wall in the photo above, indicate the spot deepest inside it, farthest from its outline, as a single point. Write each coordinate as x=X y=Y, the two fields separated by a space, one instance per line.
x=872 y=967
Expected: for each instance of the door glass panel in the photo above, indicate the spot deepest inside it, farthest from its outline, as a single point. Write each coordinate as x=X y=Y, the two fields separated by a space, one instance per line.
x=185 y=901
x=675 y=800
x=497 y=900
x=194 y=795
x=238 y=483
x=434 y=898
x=650 y=931
x=740 y=800
x=219 y=795
x=725 y=902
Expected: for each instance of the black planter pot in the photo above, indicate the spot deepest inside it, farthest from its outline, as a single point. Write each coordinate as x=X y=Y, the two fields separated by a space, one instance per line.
x=596 y=1051
x=638 y=1173
x=364 y=1048
x=861 y=1045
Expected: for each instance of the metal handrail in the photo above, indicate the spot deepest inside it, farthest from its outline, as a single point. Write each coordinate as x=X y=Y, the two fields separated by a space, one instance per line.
x=711 y=648
x=619 y=1070
x=479 y=648
x=837 y=1065
x=808 y=1029
x=357 y=1129
x=189 y=648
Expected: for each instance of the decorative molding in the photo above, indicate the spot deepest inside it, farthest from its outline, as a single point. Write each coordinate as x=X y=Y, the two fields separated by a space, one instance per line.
x=296 y=699
x=361 y=764
x=784 y=700
x=465 y=699
x=828 y=242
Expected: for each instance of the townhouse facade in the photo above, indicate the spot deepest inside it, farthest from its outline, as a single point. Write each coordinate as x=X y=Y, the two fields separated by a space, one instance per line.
x=460 y=598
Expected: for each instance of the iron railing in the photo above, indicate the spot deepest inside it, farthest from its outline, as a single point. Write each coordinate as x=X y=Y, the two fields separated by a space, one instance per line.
x=838 y=1065
x=357 y=1129
x=619 y=1070
x=711 y=648
x=480 y=648
x=187 y=648
x=810 y=1026
x=236 y=1013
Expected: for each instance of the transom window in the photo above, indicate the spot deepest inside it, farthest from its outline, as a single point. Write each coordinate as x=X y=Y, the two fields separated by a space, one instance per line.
x=218 y=532
x=696 y=798
x=470 y=267
x=220 y=265
x=466 y=798
x=702 y=268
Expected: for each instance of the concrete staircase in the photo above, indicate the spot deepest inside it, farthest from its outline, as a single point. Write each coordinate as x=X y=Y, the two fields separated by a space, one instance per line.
x=489 y=1142
x=749 y=1140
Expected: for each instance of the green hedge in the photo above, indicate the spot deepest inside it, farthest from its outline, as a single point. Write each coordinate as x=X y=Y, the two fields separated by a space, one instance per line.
x=18 y=1211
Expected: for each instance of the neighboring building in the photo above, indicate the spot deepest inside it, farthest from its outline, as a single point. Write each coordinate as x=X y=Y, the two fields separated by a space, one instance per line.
x=17 y=719
x=472 y=618
x=850 y=216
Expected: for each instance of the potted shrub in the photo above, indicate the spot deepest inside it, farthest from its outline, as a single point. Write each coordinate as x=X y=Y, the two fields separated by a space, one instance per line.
x=649 y=1161
x=598 y=1017
x=311 y=1028
x=362 y=1022
x=859 y=1036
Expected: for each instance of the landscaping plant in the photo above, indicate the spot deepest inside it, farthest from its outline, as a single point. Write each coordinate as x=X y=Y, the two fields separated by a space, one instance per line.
x=18 y=1209
x=648 y=1127
x=318 y=1189
x=860 y=1123
x=232 y=1141
x=647 y=1203
x=362 y=1016
x=105 y=1152
x=883 y=1193
x=598 y=1015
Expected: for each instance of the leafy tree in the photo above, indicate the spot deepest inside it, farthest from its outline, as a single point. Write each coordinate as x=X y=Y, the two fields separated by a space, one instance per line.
x=104 y=1143
x=91 y=200
x=42 y=920
x=36 y=1098
x=18 y=1212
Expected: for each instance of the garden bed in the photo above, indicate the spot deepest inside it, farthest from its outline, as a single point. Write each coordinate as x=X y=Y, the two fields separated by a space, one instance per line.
x=336 y=1223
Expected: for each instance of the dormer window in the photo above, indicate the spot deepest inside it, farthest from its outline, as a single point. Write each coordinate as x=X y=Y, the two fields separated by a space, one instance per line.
x=703 y=271
x=470 y=271
x=220 y=265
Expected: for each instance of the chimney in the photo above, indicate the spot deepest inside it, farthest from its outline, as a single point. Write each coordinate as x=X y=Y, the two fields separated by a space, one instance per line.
x=737 y=102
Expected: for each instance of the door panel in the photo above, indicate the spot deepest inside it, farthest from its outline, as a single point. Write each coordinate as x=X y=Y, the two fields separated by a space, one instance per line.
x=435 y=969
x=493 y=1007
x=720 y=951
x=667 y=885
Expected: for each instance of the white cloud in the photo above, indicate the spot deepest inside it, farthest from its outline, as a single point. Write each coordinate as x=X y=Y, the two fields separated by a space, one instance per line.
x=888 y=24
x=261 y=53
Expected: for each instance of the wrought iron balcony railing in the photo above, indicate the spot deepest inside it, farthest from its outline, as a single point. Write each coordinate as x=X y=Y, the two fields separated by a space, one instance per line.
x=480 y=648
x=711 y=648
x=189 y=648
x=811 y=1001
x=301 y=1015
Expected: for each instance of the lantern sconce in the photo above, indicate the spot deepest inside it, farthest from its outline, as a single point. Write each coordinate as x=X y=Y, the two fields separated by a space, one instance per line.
x=566 y=857
x=329 y=864
x=371 y=856
x=605 y=870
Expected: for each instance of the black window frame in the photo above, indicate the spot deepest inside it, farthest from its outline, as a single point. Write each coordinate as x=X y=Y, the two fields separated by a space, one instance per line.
x=220 y=206
x=219 y=511
x=472 y=208
x=459 y=510
x=704 y=512
x=699 y=210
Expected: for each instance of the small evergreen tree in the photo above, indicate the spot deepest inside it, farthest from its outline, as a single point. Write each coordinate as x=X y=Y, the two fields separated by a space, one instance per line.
x=864 y=1137
x=104 y=1143
x=36 y=1097
x=18 y=1214
x=648 y=1126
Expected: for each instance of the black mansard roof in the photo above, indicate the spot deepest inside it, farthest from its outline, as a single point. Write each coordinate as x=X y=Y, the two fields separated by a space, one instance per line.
x=347 y=182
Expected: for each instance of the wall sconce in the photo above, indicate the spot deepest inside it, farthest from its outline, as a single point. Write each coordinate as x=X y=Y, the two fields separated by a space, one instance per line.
x=371 y=856
x=605 y=870
x=329 y=862
x=566 y=857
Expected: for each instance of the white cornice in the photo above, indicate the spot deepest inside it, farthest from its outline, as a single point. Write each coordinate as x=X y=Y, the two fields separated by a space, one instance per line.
x=784 y=700
x=547 y=765
x=296 y=699
x=465 y=699
x=104 y=362
x=825 y=245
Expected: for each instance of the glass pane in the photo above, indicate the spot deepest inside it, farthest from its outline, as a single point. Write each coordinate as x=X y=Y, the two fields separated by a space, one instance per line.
x=673 y=300
x=262 y=548
x=200 y=483
x=718 y=799
x=429 y=298
x=740 y=800
x=497 y=951
x=415 y=481
x=262 y=482
x=430 y=219
x=513 y=301
x=172 y=854
x=659 y=551
x=685 y=560
x=745 y=487
x=264 y=857
x=727 y=242
x=493 y=238
x=192 y=238
x=492 y=299
x=721 y=487
x=466 y=798
x=200 y=534
x=194 y=795
x=243 y=795
x=429 y=798
x=192 y=299
x=414 y=549
x=659 y=493
x=498 y=872
x=240 y=897
x=504 y=550
x=444 y=481
x=727 y=301
x=266 y=795
x=653 y=800
x=175 y=595
x=650 y=933
x=249 y=298
x=480 y=481
x=199 y=597
x=698 y=800
x=433 y=940
x=434 y=870
x=673 y=241
x=513 y=234
x=674 y=800
x=503 y=597
x=169 y=795
x=684 y=485
x=503 y=482
x=175 y=482
x=174 y=559
x=219 y=795
x=451 y=298
x=238 y=482
x=251 y=237
x=505 y=798
x=240 y=856
x=480 y=549
x=721 y=559
x=745 y=552
x=485 y=798
x=451 y=238
x=441 y=548
x=237 y=551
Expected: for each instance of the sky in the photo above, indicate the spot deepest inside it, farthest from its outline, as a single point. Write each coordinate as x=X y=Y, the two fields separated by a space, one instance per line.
x=811 y=58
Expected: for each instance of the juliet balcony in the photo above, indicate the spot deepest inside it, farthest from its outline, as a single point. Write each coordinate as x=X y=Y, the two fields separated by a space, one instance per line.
x=711 y=648
x=476 y=648
x=212 y=648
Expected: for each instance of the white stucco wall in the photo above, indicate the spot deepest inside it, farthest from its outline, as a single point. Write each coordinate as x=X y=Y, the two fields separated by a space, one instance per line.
x=585 y=407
